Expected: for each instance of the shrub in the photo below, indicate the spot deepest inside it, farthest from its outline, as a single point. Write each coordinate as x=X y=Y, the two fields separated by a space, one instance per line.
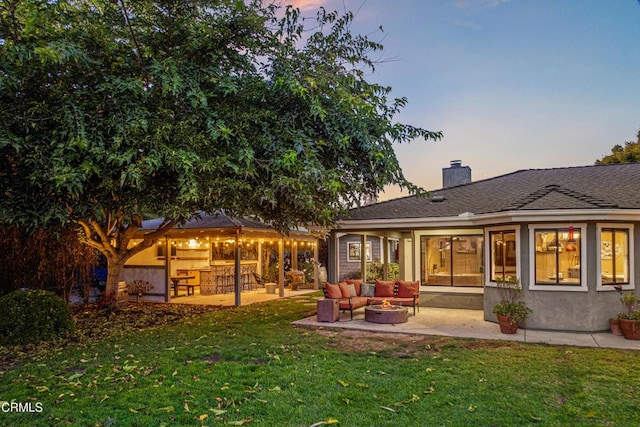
x=32 y=316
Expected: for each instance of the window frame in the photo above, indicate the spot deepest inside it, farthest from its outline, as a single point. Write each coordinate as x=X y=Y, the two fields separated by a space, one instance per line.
x=614 y=226
x=487 y=251
x=582 y=228
x=449 y=238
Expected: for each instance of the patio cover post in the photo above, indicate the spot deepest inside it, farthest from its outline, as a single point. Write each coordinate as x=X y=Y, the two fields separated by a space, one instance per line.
x=316 y=278
x=363 y=257
x=167 y=270
x=294 y=254
x=385 y=258
x=281 y=266
x=236 y=270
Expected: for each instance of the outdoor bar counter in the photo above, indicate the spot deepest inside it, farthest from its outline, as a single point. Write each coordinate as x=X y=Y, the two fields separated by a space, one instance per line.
x=220 y=278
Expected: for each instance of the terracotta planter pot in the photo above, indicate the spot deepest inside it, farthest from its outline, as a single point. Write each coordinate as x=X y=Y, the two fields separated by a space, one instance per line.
x=630 y=329
x=506 y=325
x=615 y=327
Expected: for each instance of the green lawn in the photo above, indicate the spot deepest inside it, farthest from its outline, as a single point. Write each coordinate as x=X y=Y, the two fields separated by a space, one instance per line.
x=250 y=366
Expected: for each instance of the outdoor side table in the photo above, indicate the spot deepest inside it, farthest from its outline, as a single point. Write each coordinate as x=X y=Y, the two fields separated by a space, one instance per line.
x=328 y=310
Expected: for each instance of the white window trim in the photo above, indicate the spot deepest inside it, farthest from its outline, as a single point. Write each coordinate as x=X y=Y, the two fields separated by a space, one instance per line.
x=629 y=227
x=487 y=251
x=583 y=254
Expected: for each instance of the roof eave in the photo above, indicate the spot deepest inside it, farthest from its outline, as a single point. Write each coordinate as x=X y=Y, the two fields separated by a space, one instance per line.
x=471 y=220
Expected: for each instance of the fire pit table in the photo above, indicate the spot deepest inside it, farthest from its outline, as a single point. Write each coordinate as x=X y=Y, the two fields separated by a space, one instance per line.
x=386 y=314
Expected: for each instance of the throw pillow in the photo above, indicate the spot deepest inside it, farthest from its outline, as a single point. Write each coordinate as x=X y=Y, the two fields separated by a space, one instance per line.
x=407 y=289
x=333 y=291
x=344 y=289
x=367 y=290
x=384 y=289
x=357 y=283
x=352 y=290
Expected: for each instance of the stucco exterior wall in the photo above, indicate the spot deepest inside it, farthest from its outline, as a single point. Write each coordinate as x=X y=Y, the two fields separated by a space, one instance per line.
x=578 y=311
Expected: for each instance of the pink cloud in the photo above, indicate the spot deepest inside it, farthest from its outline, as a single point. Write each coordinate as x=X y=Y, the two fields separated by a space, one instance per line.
x=306 y=4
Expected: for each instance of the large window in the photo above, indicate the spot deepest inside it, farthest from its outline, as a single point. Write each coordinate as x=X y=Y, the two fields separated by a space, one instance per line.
x=614 y=256
x=503 y=254
x=452 y=260
x=558 y=256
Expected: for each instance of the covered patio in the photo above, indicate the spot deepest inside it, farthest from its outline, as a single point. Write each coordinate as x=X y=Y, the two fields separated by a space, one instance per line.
x=217 y=255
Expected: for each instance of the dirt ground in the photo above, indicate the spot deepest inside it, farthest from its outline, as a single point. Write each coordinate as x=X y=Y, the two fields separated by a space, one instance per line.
x=399 y=345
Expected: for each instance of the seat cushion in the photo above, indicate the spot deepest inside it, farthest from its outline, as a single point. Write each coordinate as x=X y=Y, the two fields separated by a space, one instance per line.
x=356 y=302
x=405 y=302
x=384 y=288
x=408 y=289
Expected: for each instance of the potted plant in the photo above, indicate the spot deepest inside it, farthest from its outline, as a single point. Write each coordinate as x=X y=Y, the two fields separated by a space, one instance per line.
x=629 y=319
x=271 y=278
x=510 y=311
x=614 y=322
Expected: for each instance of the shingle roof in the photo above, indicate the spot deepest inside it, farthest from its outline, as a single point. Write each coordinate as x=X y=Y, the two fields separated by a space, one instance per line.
x=585 y=187
x=218 y=220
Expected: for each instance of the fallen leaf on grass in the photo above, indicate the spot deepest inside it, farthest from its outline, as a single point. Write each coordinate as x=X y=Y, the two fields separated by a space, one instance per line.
x=343 y=383
x=186 y=407
x=166 y=409
x=386 y=408
x=329 y=421
x=218 y=411
x=240 y=422
x=203 y=417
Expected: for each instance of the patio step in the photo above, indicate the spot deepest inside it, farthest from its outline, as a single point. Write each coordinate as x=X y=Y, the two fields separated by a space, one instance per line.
x=451 y=300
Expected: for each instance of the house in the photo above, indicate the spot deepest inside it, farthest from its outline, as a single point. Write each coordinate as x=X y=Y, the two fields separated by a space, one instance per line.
x=568 y=233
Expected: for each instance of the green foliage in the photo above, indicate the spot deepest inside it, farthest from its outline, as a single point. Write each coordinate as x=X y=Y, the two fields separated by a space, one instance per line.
x=629 y=302
x=630 y=153
x=307 y=269
x=33 y=316
x=510 y=292
x=375 y=270
x=113 y=109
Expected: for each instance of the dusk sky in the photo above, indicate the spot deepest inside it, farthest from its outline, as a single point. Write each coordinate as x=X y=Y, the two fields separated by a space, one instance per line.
x=512 y=84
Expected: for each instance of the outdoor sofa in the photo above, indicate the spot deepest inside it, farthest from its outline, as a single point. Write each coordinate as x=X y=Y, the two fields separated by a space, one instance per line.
x=354 y=294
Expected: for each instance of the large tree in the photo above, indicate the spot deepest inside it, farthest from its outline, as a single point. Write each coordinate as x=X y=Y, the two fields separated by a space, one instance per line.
x=630 y=153
x=110 y=110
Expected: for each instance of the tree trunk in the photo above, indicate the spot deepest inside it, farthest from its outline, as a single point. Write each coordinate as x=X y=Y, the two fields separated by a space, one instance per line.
x=115 y=265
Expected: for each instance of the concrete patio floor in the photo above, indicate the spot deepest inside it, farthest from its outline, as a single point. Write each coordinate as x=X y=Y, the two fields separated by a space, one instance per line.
x=429 y=321
x=470 y=324
x=246 y=297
